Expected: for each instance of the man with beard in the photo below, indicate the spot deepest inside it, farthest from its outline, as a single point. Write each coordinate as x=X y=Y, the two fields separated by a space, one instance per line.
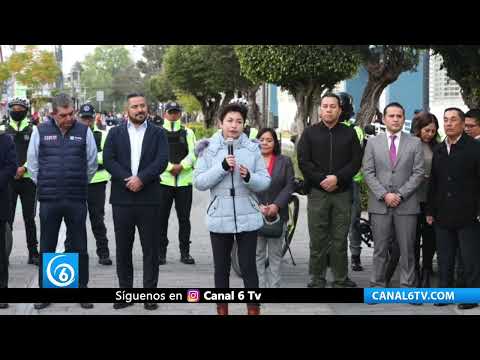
x=135 y=154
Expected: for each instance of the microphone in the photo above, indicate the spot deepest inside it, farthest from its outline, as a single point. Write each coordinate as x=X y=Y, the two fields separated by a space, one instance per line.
x=230 y=146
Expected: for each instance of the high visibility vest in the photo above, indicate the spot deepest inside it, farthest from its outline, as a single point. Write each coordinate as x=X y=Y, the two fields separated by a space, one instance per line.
x=102 y=175
x=358 y=178
x=181 y=142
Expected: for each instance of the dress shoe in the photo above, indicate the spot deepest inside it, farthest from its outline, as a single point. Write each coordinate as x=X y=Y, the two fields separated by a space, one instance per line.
x=3 y=306
x=466 y=306
x=150 y=306
x=440 y=304
x=33 y=257
x=345 y=284
x=187 y=259
x=118 y=306
x=253 y=309
x=86 y=305
x=40 y=306
x=105 y=260
x=314 y=283
x=222 y=309
x=356 y=263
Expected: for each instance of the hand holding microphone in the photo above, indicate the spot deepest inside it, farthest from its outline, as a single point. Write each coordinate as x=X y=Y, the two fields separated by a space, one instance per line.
x=229 y=161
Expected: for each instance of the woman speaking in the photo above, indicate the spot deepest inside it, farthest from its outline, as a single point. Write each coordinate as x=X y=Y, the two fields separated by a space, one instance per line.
x=232 y=168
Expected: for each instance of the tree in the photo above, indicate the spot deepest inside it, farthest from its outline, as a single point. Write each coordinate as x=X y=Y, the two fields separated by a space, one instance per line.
x=306 y=71
x=161 y=88
x=100 y=69
x=190 y=104
x=210 y=73
x=384 y=64
x=32 y=67
x=153 y=55
x=462 y=63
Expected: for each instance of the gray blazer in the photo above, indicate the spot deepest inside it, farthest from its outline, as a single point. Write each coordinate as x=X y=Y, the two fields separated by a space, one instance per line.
x=281 y=187
x=404 y=178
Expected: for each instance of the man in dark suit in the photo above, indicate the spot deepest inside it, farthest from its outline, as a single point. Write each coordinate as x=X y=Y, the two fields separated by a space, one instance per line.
x=454 y=202
x=8 y=169
x=135 y=154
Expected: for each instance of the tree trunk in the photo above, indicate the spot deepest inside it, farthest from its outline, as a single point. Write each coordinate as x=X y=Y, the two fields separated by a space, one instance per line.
x=315 y=104
x=254 y=116
x=210 y=110
x=370 y=98
x=306 y=99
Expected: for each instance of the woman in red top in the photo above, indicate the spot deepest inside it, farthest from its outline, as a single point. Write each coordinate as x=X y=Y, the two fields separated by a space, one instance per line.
x=273 y=203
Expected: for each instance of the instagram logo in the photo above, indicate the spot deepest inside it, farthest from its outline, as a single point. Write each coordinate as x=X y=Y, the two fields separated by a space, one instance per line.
x=193 y=295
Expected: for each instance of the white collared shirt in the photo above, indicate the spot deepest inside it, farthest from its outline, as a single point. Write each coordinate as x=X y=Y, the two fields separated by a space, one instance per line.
x=397 y=139
x=136 y=135
x=448 y=143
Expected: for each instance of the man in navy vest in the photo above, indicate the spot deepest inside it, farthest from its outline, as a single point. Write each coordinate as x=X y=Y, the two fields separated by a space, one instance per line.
x=62 y=158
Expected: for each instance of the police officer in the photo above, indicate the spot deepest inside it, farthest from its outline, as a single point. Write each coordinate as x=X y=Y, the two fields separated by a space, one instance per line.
x=20 y=130
x=96 y=188
x=346 y=103
x=176 y=182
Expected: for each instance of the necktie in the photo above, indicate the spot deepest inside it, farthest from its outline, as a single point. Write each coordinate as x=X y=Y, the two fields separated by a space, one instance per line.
x=393 y=150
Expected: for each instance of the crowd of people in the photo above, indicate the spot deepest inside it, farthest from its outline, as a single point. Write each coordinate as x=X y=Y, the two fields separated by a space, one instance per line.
x=423 y=192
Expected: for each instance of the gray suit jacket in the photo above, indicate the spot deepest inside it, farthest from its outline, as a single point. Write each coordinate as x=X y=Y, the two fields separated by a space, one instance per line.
x=404 y=178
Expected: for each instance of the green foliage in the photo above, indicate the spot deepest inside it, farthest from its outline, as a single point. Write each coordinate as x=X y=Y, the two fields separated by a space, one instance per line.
x=462 y=63
x=153 y=55
x=206 y=72
x=32 y=67
x=200 y=130
x=161 y=88
x=111 y=70
x=293 y=66
x=189 y=103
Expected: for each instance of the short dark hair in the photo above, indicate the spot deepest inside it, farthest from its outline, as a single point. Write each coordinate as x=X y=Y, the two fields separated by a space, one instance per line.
x=132 y=95
x=474 y=114
x=276 y=144
x=459 y=111
x=233 y=108
x=332 y=95
x=423 y=119
x=393 y=104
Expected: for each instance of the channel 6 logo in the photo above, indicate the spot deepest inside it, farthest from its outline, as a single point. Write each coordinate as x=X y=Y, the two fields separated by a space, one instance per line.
x=60 y=270
x=193 y=295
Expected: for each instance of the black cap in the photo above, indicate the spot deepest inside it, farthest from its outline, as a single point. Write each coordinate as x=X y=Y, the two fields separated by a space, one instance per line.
x=87 y=110
x=172 y=105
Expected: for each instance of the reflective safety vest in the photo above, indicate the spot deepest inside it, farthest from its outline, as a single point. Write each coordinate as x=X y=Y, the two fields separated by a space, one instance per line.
x=181 y=141
x=251 y=132
x=102 y=175
x=358 y=178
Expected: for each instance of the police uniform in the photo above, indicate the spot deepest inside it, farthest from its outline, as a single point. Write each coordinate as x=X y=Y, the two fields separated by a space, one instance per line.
x=181 y=141
x=96 y=192
x=20 y=130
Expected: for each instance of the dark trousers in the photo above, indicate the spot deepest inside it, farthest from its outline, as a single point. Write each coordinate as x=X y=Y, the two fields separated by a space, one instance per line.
x=74 y=213
x=426 y=233
x=125 y=220
x=26 y=189
x=247 y=249
x=96 y=212
x=3 y=256
x=183 y=204
x=467 y=239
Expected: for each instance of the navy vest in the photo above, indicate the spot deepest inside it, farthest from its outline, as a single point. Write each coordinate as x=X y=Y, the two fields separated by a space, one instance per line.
x=62 y=162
